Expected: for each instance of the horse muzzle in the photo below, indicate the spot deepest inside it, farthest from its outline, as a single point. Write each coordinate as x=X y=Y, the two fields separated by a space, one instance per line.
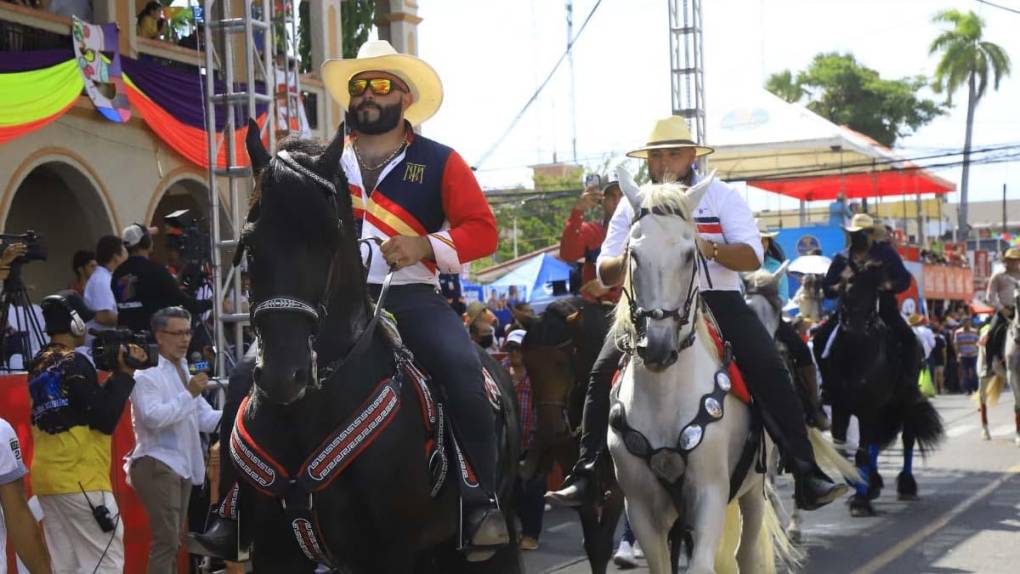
x=658 y=348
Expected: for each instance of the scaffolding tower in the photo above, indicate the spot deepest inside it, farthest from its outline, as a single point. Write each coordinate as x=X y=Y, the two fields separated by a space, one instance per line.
x=686 y=63
x=242 y=51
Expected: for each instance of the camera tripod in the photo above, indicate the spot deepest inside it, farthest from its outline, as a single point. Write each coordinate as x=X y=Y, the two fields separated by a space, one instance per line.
x=24 y=334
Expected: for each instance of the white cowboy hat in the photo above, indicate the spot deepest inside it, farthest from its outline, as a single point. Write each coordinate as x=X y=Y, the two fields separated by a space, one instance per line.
x=379 y=56
x=860 y=222
x=671 y=132
x=763 y=230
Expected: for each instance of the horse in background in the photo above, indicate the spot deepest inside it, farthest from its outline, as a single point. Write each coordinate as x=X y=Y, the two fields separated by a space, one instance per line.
x=762 y=296
x=1008 y=372
x=559 y=351
x=384 y=511
x=809 y=297
x=862 y=377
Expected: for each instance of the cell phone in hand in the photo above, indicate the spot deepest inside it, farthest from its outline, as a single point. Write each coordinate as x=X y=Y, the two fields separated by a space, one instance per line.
x=593 y=180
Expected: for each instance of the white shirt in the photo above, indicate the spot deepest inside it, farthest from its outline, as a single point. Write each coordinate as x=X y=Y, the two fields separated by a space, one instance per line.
x=167 y=420
x=12 y=468
x=927 y=338
x=722 y=216
x=99 y=297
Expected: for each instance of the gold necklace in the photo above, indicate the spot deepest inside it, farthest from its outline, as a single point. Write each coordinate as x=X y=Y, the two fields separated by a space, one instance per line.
x=382 y=164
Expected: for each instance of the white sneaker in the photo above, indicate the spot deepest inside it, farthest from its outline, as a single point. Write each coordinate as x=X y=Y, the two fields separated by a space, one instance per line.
x=624 y=557
x=638 y=552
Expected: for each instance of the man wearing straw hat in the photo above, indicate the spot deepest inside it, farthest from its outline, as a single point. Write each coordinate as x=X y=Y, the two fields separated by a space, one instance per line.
x=730 y=241
x=422 y=201
x=1001 y=295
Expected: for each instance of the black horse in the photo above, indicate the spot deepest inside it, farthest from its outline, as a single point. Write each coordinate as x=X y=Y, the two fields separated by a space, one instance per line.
x=321 y=359
x=866 y=374
x=559 y=350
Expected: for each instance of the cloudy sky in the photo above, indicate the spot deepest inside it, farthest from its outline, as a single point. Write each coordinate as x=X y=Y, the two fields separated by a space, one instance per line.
x=492 y=54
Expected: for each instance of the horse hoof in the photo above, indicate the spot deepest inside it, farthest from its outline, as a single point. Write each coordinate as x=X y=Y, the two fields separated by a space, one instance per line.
x=860 y=507
x=985 y=434
x=875 y=484
x=906 y=486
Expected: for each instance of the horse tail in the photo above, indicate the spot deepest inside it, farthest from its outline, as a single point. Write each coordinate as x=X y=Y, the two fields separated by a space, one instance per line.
x=925 y=423
x=777 y=544
x=830 y=460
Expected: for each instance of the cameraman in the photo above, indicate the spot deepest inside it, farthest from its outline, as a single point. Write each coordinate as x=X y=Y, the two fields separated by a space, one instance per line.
x=143 y=286
x=11 y=251
x=73 y=418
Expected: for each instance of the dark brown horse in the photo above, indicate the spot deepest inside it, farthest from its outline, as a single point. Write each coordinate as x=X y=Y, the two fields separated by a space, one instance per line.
x=559 y=351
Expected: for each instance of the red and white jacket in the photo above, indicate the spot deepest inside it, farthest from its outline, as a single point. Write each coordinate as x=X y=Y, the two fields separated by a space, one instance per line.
x=427 y=190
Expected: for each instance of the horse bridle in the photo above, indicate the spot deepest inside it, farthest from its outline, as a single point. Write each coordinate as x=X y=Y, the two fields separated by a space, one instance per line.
x=317 y=312
x=684 y=318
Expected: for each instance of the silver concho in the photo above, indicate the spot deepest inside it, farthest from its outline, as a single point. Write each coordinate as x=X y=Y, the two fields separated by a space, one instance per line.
x=691 y=437
x=723 y=380
x=668 y=465
x=713 y=407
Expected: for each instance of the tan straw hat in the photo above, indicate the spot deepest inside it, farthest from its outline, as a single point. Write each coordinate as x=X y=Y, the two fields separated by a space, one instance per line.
x=860 y=222
x=916 y=320
x=671 y=132
x=379 y=56
x=1011 y=253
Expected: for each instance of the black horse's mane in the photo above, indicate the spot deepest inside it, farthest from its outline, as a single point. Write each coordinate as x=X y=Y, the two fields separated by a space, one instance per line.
x=551 y=327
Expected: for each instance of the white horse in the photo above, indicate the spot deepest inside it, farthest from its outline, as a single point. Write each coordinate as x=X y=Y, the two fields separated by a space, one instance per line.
x=990 y=386
x=676 y=379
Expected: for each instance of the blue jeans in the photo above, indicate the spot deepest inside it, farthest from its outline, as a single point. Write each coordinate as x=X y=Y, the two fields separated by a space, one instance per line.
x=531 y=505
x=968 y=366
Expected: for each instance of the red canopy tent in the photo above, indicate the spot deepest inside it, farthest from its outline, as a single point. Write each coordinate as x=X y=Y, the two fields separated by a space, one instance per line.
x=874 y=184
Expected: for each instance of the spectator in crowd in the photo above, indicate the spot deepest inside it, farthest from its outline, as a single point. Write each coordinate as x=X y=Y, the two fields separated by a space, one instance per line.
x=483 y=333
x=951 y=374
x=449 y=285
x=530 y=501
x=965 y=340
x=583 y=239
x=25 y=535
x=839 y=211
x=82 y=264
x=73 y=419
x=168 y=413
x=927 y=339
x=99 y=288
x=937 y=358
x=143 y=286
x=151 y=23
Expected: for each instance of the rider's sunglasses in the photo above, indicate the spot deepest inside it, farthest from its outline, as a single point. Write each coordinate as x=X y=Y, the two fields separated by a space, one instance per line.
x=380 y=86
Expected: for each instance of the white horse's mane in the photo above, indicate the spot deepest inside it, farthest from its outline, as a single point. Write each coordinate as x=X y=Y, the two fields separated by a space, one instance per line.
x=668 y=196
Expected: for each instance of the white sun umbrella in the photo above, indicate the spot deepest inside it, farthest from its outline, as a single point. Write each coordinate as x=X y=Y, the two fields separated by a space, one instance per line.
x=810 y=265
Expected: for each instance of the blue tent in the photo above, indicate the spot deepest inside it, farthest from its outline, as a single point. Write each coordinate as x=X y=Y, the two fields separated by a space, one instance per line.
x=535 y=276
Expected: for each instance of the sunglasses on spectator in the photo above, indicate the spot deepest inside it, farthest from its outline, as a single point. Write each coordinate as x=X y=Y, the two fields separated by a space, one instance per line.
x=379 y=86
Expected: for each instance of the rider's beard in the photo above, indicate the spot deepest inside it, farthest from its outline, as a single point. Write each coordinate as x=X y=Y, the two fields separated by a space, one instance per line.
x=388 y=118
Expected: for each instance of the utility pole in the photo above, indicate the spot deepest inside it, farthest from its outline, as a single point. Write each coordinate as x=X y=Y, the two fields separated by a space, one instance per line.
x=570 y=63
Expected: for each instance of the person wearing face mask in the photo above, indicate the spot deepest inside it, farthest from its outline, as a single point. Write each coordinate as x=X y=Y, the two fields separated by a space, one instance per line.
x=865 y=250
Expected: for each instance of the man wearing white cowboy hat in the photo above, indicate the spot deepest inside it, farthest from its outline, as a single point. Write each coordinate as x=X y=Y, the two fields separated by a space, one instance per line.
x=422 y=200
x=865 y=250
x=730 y=242
x=1001 y=295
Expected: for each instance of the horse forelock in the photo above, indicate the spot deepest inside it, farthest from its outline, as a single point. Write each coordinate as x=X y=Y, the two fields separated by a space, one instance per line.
x=668 y=196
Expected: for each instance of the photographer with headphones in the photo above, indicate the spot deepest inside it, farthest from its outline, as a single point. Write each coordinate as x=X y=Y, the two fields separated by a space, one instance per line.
x=73 y=418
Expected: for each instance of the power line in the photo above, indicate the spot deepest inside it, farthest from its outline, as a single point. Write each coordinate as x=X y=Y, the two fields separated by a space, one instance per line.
x=1006 y=8
x=531 y=100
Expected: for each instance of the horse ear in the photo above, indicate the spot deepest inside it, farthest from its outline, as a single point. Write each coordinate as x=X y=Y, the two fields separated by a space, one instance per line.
x=629 y=187
x=526 y=321
x=780 y=272
x=329 y=162
x=692 y=197
x=256 y=151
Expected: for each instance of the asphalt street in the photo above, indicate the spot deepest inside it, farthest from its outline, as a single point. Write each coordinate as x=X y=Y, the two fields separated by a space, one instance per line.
x=967 y=518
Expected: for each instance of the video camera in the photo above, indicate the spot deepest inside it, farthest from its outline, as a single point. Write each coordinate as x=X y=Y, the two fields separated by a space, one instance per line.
x=186 y=236
x=107 y=345
x=32 y=240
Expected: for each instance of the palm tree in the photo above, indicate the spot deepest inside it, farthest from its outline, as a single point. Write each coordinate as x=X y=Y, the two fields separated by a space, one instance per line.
x=966 y=58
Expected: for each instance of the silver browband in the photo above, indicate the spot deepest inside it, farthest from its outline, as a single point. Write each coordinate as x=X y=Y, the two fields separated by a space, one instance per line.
x=284 y=304
x=285 y=156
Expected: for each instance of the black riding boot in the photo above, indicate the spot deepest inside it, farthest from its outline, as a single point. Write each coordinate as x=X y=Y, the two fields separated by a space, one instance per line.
x=575 y=489
x=218 y=541
x=772 y=388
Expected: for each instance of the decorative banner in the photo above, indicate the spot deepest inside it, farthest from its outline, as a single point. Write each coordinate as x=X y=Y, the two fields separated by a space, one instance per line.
x=32 y=99
x=89 y=41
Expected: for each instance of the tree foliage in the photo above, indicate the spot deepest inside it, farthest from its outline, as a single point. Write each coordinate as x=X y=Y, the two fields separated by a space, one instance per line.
x=842 y=90
x=965 y=53
x=357 y=18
